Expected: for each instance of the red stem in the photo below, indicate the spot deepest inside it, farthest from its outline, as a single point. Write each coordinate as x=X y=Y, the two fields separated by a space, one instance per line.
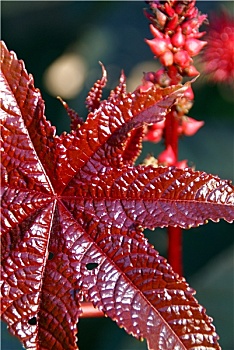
x=175 y=249
x=174 y=233
x=171 y=134
x=90 y=311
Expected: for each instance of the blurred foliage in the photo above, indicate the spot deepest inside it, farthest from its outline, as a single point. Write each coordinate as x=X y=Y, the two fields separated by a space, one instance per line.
x=113 y=32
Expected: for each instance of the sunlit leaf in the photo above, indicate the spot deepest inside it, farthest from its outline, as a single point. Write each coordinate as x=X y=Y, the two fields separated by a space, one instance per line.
x=73 y=211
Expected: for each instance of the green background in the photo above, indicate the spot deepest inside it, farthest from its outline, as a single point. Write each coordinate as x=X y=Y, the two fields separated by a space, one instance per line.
x=113 y=32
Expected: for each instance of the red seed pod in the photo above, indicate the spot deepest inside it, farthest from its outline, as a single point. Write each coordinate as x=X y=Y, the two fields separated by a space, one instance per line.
x=150 y=76
x=160 y=125
x=155 y=132
x=167 y=157
x=174 y=75
x=201 y=19
x=194 y=46
x=179 y=8
x=173 y=23
x=182 y=59
x=162 y=78
x=178 y=39
x=169 y=10
x=155 y=32
x=192 y=12
x=179 y=130
x=148 y=15
x=145 y=86
x=181 y=164
x=154 y=135
x=189 y=94
x=197 y=35
x=166 y=58
x=190 y=126
x=189 y=26
x=161 y=18
x=157 y=46
x=191 y=71
x=159 y=72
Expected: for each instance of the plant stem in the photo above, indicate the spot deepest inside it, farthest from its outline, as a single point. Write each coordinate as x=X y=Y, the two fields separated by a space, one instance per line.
x=175 y=249
x=171 y=134
x=90 y=311
x=174 y=233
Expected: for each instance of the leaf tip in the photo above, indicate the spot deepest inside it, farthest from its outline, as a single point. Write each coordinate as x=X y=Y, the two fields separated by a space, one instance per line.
x=104 y=72
x=65 y=105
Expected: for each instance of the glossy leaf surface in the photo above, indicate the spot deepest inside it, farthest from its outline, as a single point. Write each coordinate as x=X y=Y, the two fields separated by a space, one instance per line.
x=73 y=210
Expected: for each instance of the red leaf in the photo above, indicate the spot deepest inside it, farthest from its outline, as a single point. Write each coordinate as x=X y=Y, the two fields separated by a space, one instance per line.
x=95 y=94
x=76 y=120
x=149 y=197
x=72 y=218
x=132 y=146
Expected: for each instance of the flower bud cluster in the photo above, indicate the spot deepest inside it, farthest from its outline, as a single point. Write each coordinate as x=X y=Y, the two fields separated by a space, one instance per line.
x=187 y=126
x=218 y=57
x=175 y=27
x=168 y=158
x=165 y=158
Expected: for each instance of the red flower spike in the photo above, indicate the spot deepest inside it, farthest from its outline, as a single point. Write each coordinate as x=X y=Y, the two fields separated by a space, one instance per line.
x=182 y=24
x=178 y=34
x=73 y=213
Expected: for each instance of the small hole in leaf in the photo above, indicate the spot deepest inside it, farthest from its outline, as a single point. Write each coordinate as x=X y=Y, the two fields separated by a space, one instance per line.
x=32 y=321
x=51 y=255
x=91 y=266
x=73 y=293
